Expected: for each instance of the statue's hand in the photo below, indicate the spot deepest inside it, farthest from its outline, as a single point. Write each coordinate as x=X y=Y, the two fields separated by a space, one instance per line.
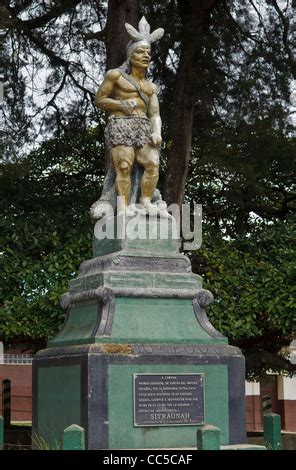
x=156 y=139
x=128 y=106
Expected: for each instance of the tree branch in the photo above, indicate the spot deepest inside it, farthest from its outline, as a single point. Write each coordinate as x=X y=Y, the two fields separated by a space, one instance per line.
x=59 y=89
x=238 y=27
x=258 y=341
x=286 y=25
x=11 y=19
x=269 y=212
x=260 y=20
x=57 y=10
x=54 y=59
x=265 y=359
x=100 y=35
x=20 y=6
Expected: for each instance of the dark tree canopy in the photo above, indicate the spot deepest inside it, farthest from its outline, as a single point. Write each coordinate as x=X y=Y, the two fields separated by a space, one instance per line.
x=224 y=59
x=224 y=71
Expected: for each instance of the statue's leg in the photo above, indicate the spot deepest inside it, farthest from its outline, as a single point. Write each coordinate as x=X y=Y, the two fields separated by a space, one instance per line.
x=148 y=156
x=123 y=158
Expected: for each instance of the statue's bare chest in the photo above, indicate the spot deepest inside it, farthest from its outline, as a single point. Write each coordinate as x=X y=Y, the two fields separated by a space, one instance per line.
x=125 y=86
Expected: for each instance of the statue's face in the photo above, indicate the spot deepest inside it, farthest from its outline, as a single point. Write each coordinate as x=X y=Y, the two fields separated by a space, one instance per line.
x=141 y=56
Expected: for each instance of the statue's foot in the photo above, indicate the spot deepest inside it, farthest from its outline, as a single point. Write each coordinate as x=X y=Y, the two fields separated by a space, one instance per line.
x=146 y=207
x=135 y=209
x=131 y=210
x=146 y=202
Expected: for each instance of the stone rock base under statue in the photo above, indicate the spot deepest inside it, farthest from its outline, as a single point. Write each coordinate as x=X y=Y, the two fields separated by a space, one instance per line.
x=93 y=386
x=137 y=363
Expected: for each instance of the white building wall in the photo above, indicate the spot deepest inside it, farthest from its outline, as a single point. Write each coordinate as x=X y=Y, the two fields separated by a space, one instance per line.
x=252 y=388
x=286 y=388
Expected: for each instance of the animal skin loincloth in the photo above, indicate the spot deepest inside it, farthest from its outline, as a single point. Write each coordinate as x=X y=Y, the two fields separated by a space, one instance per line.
x=130 y=131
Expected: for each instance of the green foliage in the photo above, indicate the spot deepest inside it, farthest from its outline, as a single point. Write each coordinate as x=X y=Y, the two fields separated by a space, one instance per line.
x=32 y=287
x=243 y=173
x=253 y=282
x=45 y=232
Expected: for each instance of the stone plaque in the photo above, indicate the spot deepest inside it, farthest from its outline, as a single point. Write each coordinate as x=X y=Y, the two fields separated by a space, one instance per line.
x=168 y=399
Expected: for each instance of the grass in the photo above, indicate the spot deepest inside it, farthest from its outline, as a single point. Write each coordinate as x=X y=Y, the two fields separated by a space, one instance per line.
x=40 y=443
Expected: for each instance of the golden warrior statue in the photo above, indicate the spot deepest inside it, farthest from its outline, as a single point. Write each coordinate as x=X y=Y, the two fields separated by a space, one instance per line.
x=133 y=131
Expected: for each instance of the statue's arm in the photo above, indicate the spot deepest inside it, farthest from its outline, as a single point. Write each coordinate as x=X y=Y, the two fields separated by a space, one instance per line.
x=102 y=98
x=154 y=117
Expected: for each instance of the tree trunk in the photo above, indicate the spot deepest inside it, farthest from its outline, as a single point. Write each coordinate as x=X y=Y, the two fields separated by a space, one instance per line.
x=119 y=13
x=195 y=17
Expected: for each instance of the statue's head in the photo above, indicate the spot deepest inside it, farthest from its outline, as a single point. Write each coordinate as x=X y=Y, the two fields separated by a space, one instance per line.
x=140 y=43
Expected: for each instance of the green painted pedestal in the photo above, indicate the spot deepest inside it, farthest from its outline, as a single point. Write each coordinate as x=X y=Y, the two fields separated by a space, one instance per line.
x=135 y=308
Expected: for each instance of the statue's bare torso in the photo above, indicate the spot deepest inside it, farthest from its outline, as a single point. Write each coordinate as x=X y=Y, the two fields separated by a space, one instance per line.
x=124 y=90
x=116 y=93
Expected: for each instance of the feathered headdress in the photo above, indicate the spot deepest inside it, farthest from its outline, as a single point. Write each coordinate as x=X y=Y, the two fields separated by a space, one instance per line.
x=143 y=36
